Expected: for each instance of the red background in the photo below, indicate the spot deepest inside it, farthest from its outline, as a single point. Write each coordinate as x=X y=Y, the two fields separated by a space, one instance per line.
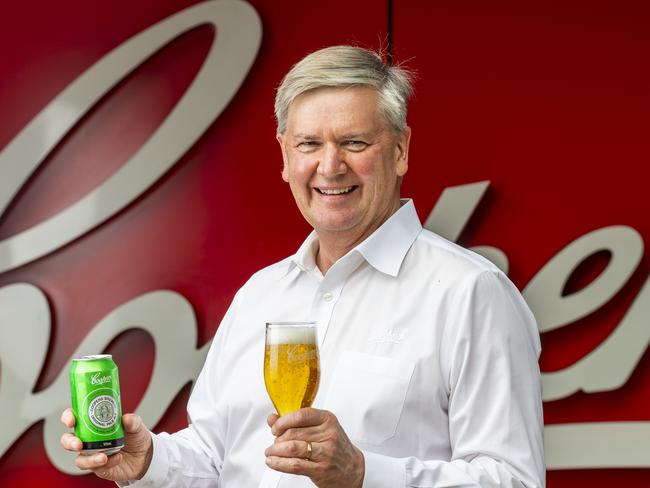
x=547 y=101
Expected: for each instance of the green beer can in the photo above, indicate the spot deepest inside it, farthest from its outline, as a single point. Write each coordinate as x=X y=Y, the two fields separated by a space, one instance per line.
x=95 y=391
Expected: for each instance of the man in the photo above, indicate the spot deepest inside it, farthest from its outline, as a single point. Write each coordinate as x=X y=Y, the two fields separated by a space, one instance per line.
x=428 y=352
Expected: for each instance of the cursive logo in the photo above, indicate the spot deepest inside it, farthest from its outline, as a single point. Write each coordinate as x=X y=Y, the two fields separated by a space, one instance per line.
x=166 y=316
x=96 y=380
x=233 y=51
x=169 y=318
x=608 y=366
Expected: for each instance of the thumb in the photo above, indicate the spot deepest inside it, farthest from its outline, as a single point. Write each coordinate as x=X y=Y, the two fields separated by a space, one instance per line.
x=132 y=423
x=271 y=419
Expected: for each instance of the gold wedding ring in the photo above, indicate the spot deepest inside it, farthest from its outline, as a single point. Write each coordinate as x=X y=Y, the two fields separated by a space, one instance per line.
x=309 y=451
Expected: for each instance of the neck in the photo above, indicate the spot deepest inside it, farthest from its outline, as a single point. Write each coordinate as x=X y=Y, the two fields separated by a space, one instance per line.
x=335 y=245
x=330 y=250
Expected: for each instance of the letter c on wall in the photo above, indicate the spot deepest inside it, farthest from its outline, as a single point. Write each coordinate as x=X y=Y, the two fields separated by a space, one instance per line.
x=239 y=32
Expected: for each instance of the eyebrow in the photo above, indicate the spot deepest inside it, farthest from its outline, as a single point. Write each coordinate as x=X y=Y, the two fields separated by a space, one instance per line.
x=351 y=135
x=304 y=135
x=357 y=135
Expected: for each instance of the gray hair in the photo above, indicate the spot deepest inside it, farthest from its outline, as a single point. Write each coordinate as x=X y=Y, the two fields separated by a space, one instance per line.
x=345 y=66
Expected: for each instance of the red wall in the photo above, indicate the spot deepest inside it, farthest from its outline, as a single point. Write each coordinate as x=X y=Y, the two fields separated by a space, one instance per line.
x=548 y=102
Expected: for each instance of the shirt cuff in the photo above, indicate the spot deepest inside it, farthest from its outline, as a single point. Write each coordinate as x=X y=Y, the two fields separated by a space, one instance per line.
x=157 y=472
x=383 y=471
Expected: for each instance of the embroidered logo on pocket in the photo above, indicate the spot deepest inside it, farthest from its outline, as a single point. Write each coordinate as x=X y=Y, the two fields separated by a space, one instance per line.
x=394 y=336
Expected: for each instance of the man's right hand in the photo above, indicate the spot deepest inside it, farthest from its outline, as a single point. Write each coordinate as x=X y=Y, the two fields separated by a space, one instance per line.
x=131 y=463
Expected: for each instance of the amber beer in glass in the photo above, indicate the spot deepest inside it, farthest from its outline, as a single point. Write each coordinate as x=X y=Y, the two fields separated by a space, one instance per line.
x=291 y=365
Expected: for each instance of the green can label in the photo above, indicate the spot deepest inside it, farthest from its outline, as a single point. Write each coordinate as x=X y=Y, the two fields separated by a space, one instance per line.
x=95 y=389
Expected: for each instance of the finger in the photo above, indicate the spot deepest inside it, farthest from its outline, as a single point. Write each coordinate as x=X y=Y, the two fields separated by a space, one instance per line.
x=70 y=442
x=290 y=449
x=93 y=461
x=113 y=460
x=132 y=423
x=68 y=419
x=305 y=417
x=292 y=465
x=271 y=419
x=314 y=434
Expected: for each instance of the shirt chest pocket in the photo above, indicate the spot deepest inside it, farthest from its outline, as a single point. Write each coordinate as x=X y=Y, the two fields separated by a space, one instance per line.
x=367 y=395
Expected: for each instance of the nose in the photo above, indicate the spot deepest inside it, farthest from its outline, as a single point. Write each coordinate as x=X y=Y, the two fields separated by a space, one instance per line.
x=331 y=162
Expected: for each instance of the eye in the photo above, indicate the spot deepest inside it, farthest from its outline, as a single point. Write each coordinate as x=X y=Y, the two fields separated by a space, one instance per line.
x=355 y=145
x=307 y=146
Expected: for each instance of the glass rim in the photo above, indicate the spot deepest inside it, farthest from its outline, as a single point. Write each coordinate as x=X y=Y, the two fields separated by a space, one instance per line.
x=303 y=323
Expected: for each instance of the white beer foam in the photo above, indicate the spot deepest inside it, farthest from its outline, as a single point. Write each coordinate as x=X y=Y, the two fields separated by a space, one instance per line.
x=291 y=335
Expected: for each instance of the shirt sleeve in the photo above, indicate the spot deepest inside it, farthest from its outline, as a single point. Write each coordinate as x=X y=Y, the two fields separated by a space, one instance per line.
x=193 y=456
x=490 y=357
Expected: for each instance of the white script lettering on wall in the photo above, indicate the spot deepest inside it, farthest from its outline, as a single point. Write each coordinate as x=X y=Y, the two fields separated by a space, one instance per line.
x=25 y=315
x=239 y=33
x=607 y=367
x=583 y=445
x=166 y=316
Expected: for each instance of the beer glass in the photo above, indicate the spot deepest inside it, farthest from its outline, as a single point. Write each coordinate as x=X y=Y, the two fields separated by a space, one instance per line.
x=291 y=365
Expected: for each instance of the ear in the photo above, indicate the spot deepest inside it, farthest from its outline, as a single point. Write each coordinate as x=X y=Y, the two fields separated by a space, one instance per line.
x=402 y=161
x=285 y=168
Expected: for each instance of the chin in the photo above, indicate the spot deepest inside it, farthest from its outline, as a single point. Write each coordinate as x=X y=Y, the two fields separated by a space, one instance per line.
x=336 y=227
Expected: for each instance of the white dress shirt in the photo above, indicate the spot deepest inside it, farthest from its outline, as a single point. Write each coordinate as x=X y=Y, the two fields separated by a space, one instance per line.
x=428 y=358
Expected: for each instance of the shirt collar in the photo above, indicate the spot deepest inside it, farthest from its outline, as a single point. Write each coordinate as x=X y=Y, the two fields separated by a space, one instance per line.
x=384 y=249
x=305 y=257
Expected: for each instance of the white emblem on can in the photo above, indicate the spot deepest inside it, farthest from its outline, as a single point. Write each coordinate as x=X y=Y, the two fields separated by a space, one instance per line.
x=102 y=411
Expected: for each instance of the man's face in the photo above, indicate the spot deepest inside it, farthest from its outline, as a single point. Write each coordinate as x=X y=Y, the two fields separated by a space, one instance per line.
x=343 y=161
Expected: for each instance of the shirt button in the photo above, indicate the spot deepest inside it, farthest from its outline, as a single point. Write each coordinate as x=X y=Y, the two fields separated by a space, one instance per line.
x=327 y=296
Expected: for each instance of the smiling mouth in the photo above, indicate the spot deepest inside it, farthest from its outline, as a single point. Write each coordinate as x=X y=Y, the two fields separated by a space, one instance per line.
x=336 y=191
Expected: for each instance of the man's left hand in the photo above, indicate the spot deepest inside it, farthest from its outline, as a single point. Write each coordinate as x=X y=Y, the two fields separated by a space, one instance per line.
x=333 y=462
